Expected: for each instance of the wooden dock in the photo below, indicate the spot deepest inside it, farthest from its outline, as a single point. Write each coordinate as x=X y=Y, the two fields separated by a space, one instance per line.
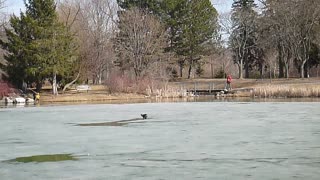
x=216 y=92
x=208 y=92
x=208 y=88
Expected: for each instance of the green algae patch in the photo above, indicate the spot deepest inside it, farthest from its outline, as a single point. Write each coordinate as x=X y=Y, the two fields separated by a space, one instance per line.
x=104 y=124
x=45 y=158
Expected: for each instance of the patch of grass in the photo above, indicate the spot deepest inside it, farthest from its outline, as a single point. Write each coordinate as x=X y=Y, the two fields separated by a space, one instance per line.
x=113 y=123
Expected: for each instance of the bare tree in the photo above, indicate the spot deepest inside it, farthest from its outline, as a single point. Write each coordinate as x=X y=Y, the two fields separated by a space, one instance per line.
x=3 y=15
x=100 y=16
x=271 y=62
x=3 y=23
x=140 y=41
x=224 y=54
x=306 y=16
x=225 y=22
x=242 y=39
x=290 y=25
x=2 y=3
x=94 y=25
x=74 y=13
x=280 y=33
x=69 y=14
x=274 y=30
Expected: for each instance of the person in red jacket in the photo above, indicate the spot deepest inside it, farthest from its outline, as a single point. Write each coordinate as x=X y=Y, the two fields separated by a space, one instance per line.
x=229 y=79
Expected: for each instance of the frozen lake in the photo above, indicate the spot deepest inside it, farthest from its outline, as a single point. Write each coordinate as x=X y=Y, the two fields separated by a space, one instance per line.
x=197 y=140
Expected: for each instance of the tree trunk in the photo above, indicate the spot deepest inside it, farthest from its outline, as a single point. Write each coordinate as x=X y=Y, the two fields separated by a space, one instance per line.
x=181 y=64
x=224 y=70
x=240 y=69
x=281 y=64
x=246 y=69
x=69 y=84
x=181 y=70
x=287 y=70
x=189 y=71
x=261 y=70
x=24 y=87
x=211 y=68
x=93 y=79
x=270 y=75
x=100 y=78
x=306 y=70
x=302 y=70
x=54 y=84
x=38 y=86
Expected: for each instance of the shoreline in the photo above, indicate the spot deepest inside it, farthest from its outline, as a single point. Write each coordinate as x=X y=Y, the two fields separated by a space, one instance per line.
x=167 y=100
x=261 y=89
x=46 y=98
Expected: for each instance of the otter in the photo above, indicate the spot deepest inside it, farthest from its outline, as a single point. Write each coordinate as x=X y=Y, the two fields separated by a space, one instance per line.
x=144 y=116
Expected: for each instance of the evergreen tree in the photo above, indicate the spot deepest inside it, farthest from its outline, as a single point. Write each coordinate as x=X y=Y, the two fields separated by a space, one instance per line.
x=39 y=46
x=171 y=14
x=196 y=27
x=190 y=23
x=140 y=42
x=18 y=45
x=151 y=6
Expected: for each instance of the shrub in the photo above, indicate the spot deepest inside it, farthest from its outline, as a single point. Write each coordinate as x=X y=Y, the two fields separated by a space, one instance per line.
x=123 y=83
x=220 y=74
x=118 y=83
x=199 y=70
x=5 y=89
x=172 y=72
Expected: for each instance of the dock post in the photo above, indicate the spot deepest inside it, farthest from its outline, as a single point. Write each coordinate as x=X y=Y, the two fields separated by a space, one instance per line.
x=195 y=88
x=210 y=88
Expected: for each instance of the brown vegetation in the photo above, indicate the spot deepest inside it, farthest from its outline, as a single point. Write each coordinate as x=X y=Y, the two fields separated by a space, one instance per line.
x=279 y=88
x=5 y=89
x=287 y=91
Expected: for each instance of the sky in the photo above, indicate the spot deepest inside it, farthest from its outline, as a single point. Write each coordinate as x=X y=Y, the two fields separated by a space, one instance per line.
x=222 y=5
x=14 y=6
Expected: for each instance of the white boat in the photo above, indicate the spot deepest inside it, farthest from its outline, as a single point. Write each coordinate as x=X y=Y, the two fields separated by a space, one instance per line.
x=83 y=88
x=8 y=100
x=29 y=100
x=19 y=100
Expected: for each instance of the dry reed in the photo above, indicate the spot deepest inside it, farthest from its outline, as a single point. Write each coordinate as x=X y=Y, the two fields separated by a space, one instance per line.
x=168 y=92
x=287 y=91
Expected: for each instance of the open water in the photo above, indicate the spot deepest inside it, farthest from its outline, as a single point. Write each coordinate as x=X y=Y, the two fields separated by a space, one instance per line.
x=198 y=140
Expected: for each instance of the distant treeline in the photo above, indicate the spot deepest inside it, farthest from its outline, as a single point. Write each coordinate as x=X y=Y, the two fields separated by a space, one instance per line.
x=98 y=41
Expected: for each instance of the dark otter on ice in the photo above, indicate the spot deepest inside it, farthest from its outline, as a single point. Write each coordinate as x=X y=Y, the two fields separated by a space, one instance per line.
x=144 y=116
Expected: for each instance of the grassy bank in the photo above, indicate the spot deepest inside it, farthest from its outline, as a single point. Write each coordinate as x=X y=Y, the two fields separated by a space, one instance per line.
x=97 y=93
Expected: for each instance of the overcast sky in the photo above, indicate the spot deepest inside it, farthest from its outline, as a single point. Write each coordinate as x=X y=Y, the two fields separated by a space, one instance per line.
x=14 y=6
